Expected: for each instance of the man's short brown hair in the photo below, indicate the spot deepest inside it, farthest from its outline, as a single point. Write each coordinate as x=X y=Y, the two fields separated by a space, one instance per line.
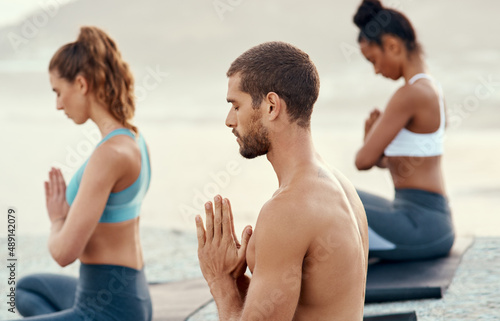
x=281 y=68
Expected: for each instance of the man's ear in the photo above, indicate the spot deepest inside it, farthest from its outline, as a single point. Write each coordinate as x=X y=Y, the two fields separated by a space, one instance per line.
x=274 y=105
x=81 y=84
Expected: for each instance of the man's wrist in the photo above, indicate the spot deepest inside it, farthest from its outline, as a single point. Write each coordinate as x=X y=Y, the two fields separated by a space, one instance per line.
x=222 y=281
x=227 y=297
x=223 y=286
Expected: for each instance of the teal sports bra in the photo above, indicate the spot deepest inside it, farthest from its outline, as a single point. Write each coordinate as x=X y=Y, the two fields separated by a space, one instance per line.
x=126 y=204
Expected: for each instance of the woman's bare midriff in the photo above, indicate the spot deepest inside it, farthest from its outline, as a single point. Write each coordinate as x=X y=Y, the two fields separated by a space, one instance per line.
x=115 y=244
x=417 y=172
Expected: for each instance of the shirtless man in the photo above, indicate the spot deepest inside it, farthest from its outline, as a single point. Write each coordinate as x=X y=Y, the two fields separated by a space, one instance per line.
x=308 y=254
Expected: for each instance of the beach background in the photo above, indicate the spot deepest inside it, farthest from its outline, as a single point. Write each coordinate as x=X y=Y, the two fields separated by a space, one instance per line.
x=179 y=52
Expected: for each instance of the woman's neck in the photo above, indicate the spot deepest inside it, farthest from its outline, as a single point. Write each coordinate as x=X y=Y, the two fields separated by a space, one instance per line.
x=104 y=120
x=414 y=65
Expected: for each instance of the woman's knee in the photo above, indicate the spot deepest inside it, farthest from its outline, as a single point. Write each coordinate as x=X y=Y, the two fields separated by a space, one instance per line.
x=418 y=252
x=30 y=300
x=27 y=302
x=27 y=282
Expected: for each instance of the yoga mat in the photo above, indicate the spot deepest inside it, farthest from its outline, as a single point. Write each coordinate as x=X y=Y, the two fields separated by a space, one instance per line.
x=180 y=300
x=408 y=316
x=177 y=301
x=386 y=281
x=413 y=280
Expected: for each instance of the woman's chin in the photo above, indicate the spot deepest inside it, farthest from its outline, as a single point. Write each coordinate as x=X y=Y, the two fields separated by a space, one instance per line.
x=392 y=77
x=79 y=121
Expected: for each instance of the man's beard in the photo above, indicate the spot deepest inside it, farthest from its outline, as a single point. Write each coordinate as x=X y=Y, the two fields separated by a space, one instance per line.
x=256 y=141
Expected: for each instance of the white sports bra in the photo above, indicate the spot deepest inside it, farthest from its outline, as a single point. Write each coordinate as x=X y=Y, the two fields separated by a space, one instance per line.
x=408 y=143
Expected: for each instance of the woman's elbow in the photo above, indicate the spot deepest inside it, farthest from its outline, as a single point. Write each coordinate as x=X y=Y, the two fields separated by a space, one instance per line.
x=363 y=163
x=62 y=257
x=63 y=262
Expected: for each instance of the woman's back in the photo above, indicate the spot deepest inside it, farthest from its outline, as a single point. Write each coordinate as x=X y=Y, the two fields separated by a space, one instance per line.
x=414 y=155
x=116 y=239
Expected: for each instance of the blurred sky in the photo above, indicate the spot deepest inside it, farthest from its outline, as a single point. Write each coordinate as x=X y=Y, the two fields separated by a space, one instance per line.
x=12 y=11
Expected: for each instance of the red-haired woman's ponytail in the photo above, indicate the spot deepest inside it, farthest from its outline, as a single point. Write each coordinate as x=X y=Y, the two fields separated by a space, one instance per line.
x=95 y=56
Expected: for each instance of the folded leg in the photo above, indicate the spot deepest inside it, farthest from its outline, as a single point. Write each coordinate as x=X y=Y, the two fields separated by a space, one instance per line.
x=40 y=294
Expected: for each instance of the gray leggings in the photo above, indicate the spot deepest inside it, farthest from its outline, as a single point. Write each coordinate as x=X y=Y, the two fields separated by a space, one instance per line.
x=417 y=224
x=102 y=293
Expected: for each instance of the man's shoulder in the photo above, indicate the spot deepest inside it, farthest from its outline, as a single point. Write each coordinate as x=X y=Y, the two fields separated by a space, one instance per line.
x=280 y=224
x=279 y=207
x=293 y=209
x=313 y=203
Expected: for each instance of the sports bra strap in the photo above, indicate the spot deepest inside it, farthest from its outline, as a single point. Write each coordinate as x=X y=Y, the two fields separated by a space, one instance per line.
x=119 y=131
x=407 y=143
x=419 y=76
x=440 y=91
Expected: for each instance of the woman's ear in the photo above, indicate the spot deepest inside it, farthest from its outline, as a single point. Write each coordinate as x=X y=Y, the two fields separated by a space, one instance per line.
x=273 y=105
x=393 y=45
x=81 y=84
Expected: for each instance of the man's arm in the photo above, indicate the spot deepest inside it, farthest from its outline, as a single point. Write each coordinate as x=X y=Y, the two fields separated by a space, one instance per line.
x=281 y=243
x=275 y=286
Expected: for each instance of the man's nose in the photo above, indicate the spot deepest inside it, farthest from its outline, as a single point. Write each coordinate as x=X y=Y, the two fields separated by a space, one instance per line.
x=231 y=119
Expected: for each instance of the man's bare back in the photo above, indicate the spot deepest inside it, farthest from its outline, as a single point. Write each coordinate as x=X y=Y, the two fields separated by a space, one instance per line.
x=327 y=232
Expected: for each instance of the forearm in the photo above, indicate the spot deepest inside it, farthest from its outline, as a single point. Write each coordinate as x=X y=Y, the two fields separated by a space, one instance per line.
x=366 y=134
x=227 y=298
x=55 y=244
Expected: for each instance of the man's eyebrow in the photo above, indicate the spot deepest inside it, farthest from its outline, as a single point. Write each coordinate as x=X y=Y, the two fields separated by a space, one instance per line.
x=230 y=100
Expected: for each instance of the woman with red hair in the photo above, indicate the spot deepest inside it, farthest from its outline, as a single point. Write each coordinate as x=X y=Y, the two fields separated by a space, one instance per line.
x=96 y=217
